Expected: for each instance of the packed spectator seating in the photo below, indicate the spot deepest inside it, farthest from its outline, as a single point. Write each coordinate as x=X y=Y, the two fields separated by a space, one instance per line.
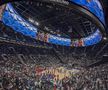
x=23 y=67
x=39 y=62
x=20 y=67
x=20 y=62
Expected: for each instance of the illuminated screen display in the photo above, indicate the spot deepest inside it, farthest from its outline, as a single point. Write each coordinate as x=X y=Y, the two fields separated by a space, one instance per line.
x=93 y=6
x=12 y=19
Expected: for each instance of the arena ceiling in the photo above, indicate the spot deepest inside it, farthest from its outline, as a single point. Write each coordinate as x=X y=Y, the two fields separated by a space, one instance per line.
x=66 y=22
x=55 y=19
x=105 y=5
x=97 y=50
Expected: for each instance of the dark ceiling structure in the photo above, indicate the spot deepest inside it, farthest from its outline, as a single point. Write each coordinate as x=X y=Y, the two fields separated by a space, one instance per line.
x=55 y=19
x=81 y=27
x=105 y=6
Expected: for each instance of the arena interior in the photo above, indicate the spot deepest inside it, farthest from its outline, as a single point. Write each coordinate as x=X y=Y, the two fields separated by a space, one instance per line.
x=53 y=44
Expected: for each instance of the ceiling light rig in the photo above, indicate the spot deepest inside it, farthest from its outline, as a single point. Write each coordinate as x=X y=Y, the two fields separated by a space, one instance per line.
x=105 y=38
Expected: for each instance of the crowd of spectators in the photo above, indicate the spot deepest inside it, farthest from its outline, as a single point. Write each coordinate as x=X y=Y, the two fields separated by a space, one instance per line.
x=19 y=66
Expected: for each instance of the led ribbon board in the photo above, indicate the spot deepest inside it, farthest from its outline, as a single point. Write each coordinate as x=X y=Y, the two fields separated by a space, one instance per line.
x=93 y=6
x=13 y=19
